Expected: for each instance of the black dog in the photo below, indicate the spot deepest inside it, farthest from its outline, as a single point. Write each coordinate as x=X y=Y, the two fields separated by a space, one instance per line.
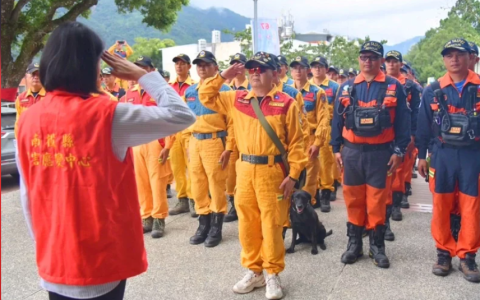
x=305 y=223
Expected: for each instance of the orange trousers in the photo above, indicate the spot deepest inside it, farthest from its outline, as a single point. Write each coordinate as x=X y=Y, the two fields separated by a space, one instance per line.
x=152 y=179
x=232 y=172
x=179 y=161
x=262 y=212
x=313 y=168
x=207 y=175
x=455 y=176
x=403 y=173
x=365 y=188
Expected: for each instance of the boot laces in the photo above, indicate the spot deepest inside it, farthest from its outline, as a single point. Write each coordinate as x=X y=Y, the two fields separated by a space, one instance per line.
x=471 y=264
x=443 y=260
x=273 y=281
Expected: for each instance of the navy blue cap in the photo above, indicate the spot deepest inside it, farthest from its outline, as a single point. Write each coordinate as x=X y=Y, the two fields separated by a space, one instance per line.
x=332 y=68
x=263 y=59
x=276 y=60
x=283 y=60
x=319 y=60
x=144 y=61
x=238 y=58
x=352 y=71
x=107 y=71
x=473 y=48
x=183 y=57
x=343 y=72
x=404 y=69
x=394 y=54
x=205 y=56
x=456 y=44
x=372 y=46
x=33 y=67
x=300 y=60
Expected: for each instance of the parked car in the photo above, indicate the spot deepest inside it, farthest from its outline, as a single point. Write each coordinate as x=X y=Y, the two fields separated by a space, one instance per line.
x=9 y=166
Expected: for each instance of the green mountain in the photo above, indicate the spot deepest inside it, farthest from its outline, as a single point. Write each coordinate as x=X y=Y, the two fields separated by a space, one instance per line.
x=192 y=24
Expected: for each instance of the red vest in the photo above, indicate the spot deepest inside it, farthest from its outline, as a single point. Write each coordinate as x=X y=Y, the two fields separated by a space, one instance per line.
x=84 y=204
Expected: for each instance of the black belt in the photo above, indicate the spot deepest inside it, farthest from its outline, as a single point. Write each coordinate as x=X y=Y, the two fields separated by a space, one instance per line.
x=207 y=136
x=260 y=160
x=469 y=147
x=368 y=147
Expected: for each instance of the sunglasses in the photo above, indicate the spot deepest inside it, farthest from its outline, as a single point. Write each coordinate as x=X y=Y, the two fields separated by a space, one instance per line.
x=257 y=70
x=369 y=58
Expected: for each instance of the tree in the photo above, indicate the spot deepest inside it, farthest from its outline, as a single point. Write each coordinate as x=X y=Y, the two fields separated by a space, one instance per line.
x=150 y=48
x=246 y=44
x=425 y=56
x=467 y=10
x=26 y=25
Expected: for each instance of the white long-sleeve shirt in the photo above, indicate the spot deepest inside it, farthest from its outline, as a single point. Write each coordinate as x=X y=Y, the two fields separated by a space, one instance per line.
x=133 y=125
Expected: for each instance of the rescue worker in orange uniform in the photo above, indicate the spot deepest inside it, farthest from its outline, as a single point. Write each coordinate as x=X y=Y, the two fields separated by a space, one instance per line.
x=211 y=143
x=152 y=167
x=283 y=74
x=263 y=186
x=327 y=183
x=111 y=86
x=34 y=93
x=393 y=63
x=449 y=114
x=178 y=153
x=372 y=122
x=240 y=82
x=318 y=117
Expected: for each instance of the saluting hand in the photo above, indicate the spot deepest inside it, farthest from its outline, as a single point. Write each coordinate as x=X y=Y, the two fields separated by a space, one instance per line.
x=122 y=68
x=224 y=158
x=233 y=71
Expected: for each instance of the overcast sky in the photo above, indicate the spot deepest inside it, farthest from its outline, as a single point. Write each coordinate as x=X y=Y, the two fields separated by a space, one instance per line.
x=394 y=21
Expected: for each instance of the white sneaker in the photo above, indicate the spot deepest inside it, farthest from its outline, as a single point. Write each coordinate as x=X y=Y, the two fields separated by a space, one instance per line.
x=249 y=283
x=274 y=287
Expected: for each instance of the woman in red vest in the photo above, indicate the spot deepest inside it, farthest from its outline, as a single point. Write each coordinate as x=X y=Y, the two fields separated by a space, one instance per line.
x=76 y=162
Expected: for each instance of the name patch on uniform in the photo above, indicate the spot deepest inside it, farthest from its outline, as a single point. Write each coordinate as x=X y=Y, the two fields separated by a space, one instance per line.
x=366 y=121
x=308 y=97
x=391 y=93
x=455 y=130
x=244 y=101
x=191 y=99
x=277 y=104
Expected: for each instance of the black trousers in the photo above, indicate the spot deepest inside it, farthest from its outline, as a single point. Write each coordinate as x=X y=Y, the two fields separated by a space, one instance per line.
x=115 y=294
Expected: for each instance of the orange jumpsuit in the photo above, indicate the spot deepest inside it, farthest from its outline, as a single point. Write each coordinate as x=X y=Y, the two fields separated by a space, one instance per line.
x=261 y=207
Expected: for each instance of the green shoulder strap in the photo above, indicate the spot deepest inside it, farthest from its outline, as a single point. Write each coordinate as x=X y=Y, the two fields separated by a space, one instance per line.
x=271 y=133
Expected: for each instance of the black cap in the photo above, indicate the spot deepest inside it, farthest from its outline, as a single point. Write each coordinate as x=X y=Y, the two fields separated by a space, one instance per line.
x=263 y=59
x=275 y=59
x=300 y=60
x=456 y=44
x=372 y=46
x=407 y=66
x=283 y=60
x=319 y=60
x=352 y=71
x=394 y=54
x=107 y=71
x=238 y=58
x=332 y=68
x=33 y=67
x=473 y=48
x=205 y=56
x=144 y=61
x=183 y=57
x=343 y=72
x=404 y=69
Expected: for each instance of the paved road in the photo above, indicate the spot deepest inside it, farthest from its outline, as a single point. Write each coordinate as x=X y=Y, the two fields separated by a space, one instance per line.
x=178 y=270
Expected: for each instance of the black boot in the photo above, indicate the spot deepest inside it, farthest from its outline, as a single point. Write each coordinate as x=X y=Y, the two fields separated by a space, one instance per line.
x=443 y=266
x=325 y=201
x=333 y=195
x=169 y=192
x=232 y=213
x=202 y=230
x=408 y=192
x=408 y=189
x=396 y=210
x=355 y=244
x=389 y=235
x=215 y=234
x=317 y=199
x=377 y=247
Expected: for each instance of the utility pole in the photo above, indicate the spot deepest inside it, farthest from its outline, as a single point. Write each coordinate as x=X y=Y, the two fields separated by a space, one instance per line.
x=255 y=27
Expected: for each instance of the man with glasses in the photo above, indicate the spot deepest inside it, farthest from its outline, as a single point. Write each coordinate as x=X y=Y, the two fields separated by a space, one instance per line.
x=401 y=177
x=178 y=153
x=328 y=185
x=448 y=113
x=263 y=186
x=372 y=122
x=318 y=117
x=209 y=149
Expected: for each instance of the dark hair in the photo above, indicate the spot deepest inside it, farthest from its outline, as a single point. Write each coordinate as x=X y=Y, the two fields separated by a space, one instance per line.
x=70 y=59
